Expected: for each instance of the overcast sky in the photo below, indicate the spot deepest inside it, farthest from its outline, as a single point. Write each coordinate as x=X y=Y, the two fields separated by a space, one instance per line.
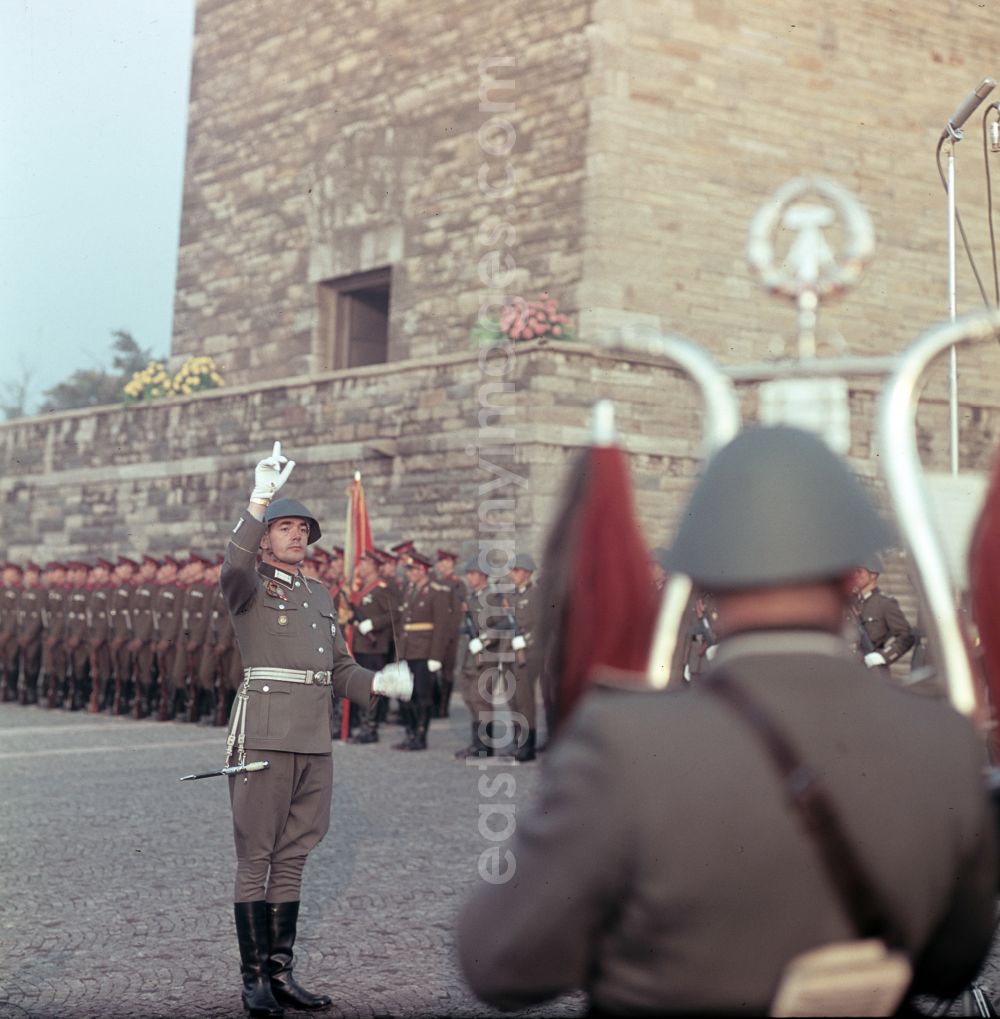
x=93 y=108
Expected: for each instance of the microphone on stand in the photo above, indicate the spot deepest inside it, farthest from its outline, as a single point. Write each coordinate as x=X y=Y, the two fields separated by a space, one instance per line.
x=995 y=136
x=954 y=126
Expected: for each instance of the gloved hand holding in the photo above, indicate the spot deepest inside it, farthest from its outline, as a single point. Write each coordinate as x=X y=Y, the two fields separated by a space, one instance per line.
x=365 y=626
x=475 y=646
x=395 y=680
x=518 y=643
x=873 y=658
x=433 y=665
x=270 y=474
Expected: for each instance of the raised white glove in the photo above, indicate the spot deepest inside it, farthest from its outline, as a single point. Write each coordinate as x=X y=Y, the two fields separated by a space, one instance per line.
x=433 y=665
x=395 y=680
x=475 y=646
x=365 y=626
x=873 y=658
x=518 y=643
x=270 y=474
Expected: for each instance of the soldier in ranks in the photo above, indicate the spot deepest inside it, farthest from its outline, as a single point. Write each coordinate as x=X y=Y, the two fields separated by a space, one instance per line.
x=10 y=655
x=483 y=616
x=229 y=664
x=424 y=633
x=54 y=657
x=168 y=619
x=99 y=592
x=700 y=635
x=374 y=625
x=445 y=679
x=142 y=644
x=523 y=706
x=31 y=622
x=884 y=633
x=121 y=632
x=195 y=610
x=77 y=627
x=401 y=552
x=388 y=563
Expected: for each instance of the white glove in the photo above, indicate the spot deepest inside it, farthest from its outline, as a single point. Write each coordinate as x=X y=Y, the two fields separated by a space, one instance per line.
x=365 y=626
x=268 y=476
x=873 y=658
x=518 y=643
x=475 y=646
x=395 y=680
x=687 y=673
x=433 y=665
x=711 y=651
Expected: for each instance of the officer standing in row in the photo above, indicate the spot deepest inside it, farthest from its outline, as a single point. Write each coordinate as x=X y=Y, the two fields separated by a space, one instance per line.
x=142 y=646
x=884 y=634
x=424 y=633
x=641 y=873
x=121 y=633
x=523 y=704
x=10 y=654
x=375 y=623
x=54 y=658
x=99 y=633
x=444 y=681
x=294 y=658
x=484 y=615
x=31 y=606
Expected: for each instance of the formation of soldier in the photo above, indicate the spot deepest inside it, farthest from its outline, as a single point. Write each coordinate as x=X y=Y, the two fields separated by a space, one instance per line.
x=151 y=637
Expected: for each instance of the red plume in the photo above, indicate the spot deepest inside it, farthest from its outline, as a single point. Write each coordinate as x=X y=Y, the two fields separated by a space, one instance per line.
x=599 y=605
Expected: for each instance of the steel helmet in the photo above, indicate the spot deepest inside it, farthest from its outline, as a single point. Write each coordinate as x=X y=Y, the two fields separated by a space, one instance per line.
x=776 y=505
x=292 y=508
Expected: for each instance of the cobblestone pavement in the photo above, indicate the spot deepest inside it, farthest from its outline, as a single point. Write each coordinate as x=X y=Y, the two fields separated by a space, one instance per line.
x=116 y=878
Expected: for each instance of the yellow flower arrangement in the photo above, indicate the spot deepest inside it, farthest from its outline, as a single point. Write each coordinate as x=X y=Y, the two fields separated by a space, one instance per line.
x=196 y=374
x=153 y=382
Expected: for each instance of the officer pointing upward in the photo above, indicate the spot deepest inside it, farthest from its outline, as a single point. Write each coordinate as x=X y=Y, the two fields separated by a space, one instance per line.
x=294 y=655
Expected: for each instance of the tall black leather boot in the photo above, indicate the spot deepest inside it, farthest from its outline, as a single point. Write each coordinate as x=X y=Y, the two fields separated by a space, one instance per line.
x=423 y=721
x=408 y=713
x=284 y=918
x=253 y=933
x=477 y=748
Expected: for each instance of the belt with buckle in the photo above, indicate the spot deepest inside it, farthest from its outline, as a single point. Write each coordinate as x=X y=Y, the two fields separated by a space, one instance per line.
x=308 y=676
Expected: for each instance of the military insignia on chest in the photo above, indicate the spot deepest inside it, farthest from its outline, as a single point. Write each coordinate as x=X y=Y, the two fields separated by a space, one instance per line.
x=282 y=620
x=272 y=589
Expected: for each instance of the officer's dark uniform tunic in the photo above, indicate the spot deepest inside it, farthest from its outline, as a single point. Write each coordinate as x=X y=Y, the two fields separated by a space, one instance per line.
x=887 y=628
x=141 y=645
x=30 y=609
x=53 y=648
x=11 y=652
x=376 y=602
x=121 y=657
x=294 y=657
x=523 y=701
x=98 y=614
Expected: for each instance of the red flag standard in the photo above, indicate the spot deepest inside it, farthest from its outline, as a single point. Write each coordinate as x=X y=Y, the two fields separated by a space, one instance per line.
x=596 y=590
x=357 y=541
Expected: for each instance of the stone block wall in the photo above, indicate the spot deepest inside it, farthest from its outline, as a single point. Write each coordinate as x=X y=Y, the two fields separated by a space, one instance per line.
x=331 y=138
